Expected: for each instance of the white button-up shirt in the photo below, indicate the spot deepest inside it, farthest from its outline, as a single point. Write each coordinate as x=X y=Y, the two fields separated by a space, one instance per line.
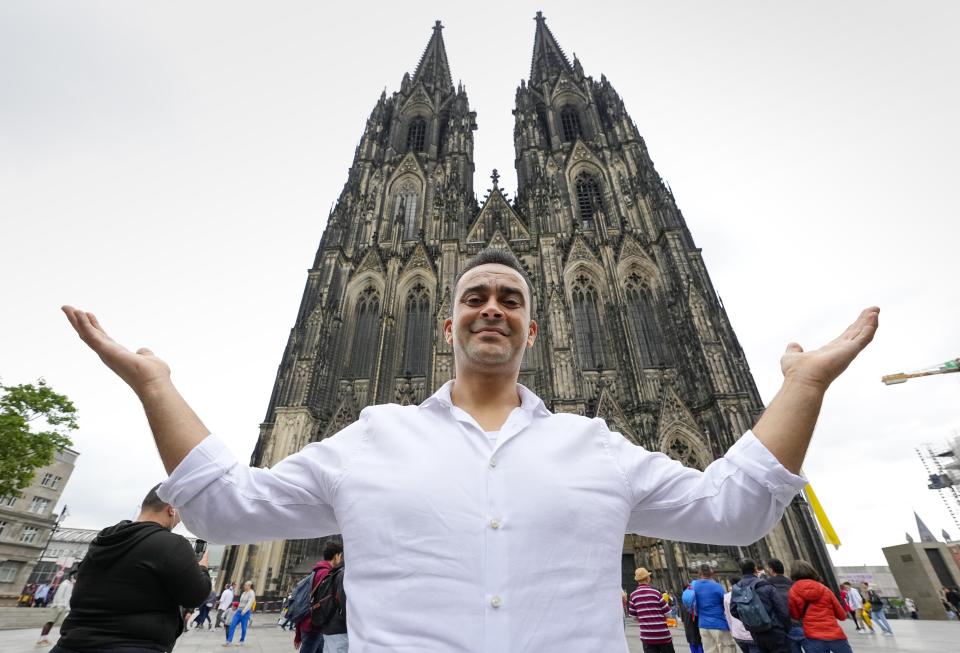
x=455 y=544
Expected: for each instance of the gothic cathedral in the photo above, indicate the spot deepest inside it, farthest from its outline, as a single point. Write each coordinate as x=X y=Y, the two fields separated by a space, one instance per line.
x=631 y=329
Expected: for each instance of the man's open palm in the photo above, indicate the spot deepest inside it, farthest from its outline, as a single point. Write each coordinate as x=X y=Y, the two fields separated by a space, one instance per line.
x=139 y=369
x=821 y=366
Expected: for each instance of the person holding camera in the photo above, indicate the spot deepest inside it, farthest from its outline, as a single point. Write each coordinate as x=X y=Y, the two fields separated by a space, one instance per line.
x=131 y=584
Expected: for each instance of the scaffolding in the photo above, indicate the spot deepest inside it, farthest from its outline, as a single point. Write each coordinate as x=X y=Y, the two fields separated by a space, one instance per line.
x=943 y=471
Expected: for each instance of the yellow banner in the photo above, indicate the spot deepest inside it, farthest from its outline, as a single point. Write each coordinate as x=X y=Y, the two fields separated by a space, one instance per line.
x=829 y=535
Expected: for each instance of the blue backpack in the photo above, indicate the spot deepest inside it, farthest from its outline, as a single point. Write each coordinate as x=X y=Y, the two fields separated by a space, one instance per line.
x=751 y=610
x=299 y=606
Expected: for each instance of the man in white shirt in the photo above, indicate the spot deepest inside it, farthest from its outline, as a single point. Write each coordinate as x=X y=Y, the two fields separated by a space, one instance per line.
x=477 y=542
x=226 y=598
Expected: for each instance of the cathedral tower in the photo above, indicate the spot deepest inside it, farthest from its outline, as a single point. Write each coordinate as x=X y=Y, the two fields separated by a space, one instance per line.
x=631 y=328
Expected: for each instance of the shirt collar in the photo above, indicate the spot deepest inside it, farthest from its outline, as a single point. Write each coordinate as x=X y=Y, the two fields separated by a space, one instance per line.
x=529 y=401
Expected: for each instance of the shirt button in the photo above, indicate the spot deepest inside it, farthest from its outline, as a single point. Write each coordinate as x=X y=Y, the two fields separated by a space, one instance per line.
x=493 y=462
x=496 y=602
x=494 y=523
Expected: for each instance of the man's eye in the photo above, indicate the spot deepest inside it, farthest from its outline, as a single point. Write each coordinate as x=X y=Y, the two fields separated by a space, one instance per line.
x=512 y=301
x=473 y=300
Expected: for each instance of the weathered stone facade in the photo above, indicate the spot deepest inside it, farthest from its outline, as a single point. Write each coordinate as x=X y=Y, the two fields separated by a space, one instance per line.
x=631 y=328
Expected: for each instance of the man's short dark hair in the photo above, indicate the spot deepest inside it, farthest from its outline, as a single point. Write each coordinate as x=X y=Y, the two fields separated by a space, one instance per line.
x=491 y=255
x=706 y=570
x=775 y=565
x=748 y=567
x=331 y=550
x=803 y=570
x=152 y=501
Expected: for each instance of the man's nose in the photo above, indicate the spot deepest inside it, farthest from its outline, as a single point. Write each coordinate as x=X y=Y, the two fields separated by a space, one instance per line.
x=491 y=309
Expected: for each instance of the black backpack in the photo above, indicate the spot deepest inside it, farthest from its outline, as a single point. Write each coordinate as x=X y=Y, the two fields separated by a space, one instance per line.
x=751 y=610
x=875 y=601
x=325 y=601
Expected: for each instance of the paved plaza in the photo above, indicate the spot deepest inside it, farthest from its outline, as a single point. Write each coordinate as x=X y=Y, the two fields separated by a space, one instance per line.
x=920 y=636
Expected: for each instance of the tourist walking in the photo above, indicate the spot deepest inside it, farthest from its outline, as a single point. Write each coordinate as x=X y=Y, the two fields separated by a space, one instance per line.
x=59 y=607
x=741 y=636
x=812 y=602
x=224 y=603
x=768 y=626
x=911 y=607
x=782 y=584
x=853 y=602
x=131 y=583
x=378 y=482
x=307 y=637
x=203 y=612
x=952 y=596
x=876 y=610
x=40 y=595
x=242 y=616
x=691 y=627
x=708 y=602
x=650 y=610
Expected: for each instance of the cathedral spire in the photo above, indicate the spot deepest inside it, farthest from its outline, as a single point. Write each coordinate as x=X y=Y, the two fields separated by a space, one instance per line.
x=433 y=69
x=548 y=59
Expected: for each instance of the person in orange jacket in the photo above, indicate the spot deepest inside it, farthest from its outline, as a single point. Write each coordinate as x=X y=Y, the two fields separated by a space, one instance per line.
x=815 y=605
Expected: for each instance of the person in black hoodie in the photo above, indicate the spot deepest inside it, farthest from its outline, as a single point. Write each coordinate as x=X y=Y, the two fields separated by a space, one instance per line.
x=131 y=584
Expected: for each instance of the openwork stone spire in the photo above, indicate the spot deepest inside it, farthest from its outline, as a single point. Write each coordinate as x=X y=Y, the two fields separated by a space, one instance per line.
x=548 y=59
x=434 y=69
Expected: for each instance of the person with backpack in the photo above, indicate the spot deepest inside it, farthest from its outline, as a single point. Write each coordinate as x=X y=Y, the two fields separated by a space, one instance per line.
x=741 y=635
x=691 y=625
x=876 y=610
x=762 y=609
x=330 y=613
x=813 y=603
x=782 y=583
x=307 y=638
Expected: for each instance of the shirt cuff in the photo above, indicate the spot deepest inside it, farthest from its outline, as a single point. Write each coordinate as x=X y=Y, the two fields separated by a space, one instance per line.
x=206 y=463
x=756 y=461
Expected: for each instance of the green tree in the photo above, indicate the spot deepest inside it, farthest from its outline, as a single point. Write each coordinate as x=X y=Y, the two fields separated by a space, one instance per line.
x=24 y=408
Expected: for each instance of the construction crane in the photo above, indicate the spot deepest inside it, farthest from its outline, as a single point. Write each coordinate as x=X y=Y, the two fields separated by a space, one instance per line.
x=944 y=368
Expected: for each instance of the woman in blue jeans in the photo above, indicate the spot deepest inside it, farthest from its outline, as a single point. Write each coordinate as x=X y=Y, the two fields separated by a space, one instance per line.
x=242 y=615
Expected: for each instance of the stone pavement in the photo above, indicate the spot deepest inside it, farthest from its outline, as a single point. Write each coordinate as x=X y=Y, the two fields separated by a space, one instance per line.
x=914 y=636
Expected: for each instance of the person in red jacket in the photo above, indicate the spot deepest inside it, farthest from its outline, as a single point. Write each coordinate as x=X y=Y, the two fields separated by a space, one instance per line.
x=814 y=604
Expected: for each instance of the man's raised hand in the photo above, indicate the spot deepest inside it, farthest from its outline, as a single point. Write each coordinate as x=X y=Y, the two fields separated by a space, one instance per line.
x=140 y=369
x=820 y=367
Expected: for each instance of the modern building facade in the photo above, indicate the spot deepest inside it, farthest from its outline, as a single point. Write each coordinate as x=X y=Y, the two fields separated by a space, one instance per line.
x=922 y=570
x=631 y=328
x=27 y=521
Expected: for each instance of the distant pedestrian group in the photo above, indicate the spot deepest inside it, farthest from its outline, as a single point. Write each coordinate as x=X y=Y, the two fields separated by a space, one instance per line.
x=764 y=611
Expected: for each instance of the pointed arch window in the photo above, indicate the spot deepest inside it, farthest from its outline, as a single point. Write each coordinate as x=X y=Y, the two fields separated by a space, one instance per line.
x=417 y=332
x=570 y=124
x=416 y=134
x=642 y=315
x=589 y=198
x=406 y=209
x=366 y=332
x=586 y=322
x=680 y=450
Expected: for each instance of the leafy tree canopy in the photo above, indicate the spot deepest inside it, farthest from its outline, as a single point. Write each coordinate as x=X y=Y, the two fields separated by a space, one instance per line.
x=35 y=423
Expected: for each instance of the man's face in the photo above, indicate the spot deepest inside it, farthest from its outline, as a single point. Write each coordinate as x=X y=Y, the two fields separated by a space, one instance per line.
x=491 y=323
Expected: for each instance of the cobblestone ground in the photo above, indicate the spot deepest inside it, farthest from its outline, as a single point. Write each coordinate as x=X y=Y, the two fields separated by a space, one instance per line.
x=918 y=636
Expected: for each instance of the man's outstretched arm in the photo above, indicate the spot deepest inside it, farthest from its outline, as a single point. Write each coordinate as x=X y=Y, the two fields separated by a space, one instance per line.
x=785 y=428
x=176 y=428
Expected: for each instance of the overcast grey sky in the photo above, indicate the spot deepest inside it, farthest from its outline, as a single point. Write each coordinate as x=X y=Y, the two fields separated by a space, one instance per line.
x=170 y=166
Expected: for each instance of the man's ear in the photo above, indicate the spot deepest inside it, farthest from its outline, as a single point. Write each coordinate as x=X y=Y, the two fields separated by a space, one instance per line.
x=448 y=330
x=532 y=333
